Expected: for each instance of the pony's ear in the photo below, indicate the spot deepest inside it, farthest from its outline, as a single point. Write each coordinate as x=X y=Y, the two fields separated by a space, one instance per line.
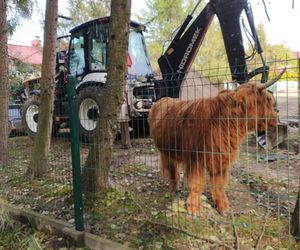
x=271 y=82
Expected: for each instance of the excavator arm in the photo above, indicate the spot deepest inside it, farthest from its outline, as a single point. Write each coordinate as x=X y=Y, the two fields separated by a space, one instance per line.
x=180 y=55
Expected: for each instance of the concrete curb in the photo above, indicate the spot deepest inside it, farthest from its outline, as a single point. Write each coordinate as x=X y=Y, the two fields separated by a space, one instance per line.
x=50 y=225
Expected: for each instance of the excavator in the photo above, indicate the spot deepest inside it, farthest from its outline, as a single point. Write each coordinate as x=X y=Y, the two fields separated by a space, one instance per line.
x=179 y=56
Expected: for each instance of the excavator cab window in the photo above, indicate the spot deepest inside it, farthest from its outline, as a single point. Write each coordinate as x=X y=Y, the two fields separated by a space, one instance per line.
x=98 y=42
x=138 y=54
x=76 y=57
x=88 y=51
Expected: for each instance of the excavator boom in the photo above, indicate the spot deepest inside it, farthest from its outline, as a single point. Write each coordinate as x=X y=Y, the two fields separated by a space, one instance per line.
x=180 y=55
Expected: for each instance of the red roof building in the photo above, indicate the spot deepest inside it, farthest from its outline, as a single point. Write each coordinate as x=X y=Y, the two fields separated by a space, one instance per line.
x=32 y=55
x=297 y=54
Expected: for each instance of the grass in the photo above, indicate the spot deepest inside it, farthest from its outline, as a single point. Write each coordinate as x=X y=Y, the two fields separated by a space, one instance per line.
x=275 y=235
x=128 y=217
x=161 y=222
x=139 y=210
x=14 y=235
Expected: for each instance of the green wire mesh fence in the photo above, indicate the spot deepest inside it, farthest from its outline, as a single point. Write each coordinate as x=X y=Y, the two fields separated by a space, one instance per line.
x=164 y=187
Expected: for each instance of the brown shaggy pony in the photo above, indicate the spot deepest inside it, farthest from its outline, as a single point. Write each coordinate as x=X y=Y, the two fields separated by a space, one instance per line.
x=205 y=134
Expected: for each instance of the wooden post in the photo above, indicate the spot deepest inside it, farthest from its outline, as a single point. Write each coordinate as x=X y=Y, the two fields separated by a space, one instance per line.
x=125 y=137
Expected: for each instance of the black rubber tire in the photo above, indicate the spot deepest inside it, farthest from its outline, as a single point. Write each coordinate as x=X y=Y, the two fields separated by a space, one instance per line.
x=29 y=115
x=29 y=128
x=88 y=102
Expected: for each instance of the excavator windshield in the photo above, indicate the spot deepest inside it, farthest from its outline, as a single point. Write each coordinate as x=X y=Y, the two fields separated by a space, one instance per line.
x=89 y=45
x=139 y=64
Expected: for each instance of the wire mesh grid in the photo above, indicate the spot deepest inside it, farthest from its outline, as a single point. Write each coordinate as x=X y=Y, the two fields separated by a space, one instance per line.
x=51 y=193
x=150 y=196
x=149 y=204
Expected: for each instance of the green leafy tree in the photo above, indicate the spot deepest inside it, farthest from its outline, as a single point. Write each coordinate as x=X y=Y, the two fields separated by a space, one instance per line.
x=11 y=12
x=276 y=55
x=81 y=11
x=18 y=10
x=273 y=51
x=163 y=18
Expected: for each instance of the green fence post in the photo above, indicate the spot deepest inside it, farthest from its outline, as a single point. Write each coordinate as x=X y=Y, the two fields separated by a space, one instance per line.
x=75 y=152
x=295 y=219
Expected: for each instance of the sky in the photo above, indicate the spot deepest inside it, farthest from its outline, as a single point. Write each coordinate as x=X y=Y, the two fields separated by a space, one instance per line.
x=283 y=27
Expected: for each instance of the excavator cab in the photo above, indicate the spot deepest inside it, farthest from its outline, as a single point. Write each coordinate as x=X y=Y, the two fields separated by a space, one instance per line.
x=87 y=60
x=88 y=50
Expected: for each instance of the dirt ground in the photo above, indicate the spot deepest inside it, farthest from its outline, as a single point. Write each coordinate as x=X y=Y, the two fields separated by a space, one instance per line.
x=287 y=104
x=140 y=211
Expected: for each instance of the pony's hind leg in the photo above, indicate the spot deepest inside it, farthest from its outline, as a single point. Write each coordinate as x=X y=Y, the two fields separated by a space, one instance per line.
x=170 y=170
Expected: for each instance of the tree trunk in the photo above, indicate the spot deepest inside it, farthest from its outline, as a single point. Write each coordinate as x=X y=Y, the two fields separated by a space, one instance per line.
x=4 y=85
x=98 y=162
x=39 y=159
